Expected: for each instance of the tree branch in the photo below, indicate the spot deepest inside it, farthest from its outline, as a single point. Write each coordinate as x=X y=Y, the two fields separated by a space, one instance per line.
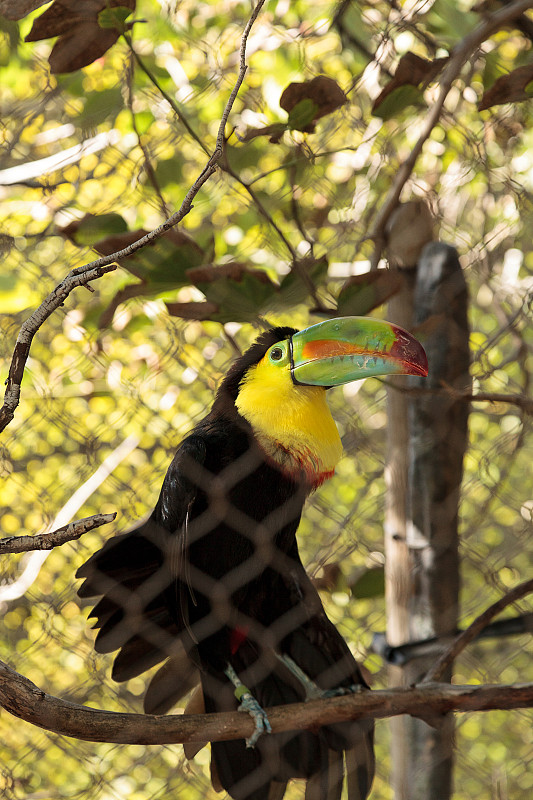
x=80 y=276
x=473 y=630
x=24 y=700
x=77 y=277
x=458 y=58
x=47 y=541
x=521 y=400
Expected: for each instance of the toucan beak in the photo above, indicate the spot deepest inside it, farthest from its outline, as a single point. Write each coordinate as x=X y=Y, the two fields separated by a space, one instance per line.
x=346 y=349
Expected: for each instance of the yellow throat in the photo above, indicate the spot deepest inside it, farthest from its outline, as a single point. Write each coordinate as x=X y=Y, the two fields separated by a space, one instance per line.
x=292 y=423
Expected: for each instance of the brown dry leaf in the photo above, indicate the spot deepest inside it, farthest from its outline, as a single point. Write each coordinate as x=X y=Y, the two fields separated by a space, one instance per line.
x=81 y=39
x=305 y=103
x=235 y=271
x=274 y=131
x=118 y=241
x=362 y=293
x=509 y=88
x=324 y=92
x=17 y=9
x=412 y=70
x=200 y=310
x=328 y=578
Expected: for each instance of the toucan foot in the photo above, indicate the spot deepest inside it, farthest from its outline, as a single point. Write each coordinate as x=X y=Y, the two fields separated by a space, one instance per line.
x=339 y=691
x=248 y=703
x=312 y=691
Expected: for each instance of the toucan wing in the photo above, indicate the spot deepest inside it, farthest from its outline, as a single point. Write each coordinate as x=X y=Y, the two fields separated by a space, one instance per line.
x=138 y=573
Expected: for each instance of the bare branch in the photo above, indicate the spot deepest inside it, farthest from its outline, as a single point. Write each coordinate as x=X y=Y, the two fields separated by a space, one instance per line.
x=80 y=276
x=47 y=541
x=26 y=701
x=30 y=327
x=473 y=630
x=460 y=54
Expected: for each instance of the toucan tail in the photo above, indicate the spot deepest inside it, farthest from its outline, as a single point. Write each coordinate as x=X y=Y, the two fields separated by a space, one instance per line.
x=133 y=573
x=262 y=772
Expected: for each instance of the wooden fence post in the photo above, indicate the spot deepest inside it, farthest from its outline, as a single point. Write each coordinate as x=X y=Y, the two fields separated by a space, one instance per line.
x=426 y=443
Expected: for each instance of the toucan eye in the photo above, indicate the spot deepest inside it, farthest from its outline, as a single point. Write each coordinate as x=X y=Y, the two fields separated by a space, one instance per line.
x=276 y=353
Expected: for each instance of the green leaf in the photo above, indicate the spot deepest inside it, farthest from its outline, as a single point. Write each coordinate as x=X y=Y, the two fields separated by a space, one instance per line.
x=294 y=289
x=9 y=41
x=362 y=293
x=370 y=584
x=163 y=265
x=114 y=18
x=144 y=120
x=302 y=115
x=494 y=68
x=448 y=21
x=93 y=228
x=239 y=300
x=398 y=100
x=529 y=89
x=99 y=107
x=169 y=171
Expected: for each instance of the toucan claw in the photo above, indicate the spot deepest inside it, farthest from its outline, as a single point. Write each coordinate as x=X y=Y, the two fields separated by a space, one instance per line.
x=258 y=714
x=248 y=703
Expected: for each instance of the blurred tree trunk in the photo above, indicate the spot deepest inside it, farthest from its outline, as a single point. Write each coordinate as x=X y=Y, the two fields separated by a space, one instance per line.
x=427 y=437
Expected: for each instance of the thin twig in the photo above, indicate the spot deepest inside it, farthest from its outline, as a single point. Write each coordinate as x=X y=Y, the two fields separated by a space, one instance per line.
x=459 y=56
x=473 y=630
x=75 y=278
x=80 y=276
x=47 y=541
x=20 y=697
x=170 y=100
x=225 y=167
x=148 y=167
x=224 y=164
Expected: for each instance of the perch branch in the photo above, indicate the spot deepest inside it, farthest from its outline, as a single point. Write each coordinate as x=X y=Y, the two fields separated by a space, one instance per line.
x=24 y=700
x=473 y=630
x=458 y=58
x=80 y=276
x=520 y=400
x=47 y=541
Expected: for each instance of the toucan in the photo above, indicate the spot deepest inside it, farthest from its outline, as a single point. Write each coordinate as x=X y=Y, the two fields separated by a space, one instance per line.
x=212 y=582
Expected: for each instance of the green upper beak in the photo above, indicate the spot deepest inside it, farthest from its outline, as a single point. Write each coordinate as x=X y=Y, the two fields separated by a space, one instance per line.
x=341 y=350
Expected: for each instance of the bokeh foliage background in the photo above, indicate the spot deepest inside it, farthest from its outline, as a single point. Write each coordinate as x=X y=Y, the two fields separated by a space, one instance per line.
x=140 y=372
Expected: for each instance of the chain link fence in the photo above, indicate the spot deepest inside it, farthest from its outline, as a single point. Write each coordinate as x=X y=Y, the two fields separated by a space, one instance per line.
x=152 y=390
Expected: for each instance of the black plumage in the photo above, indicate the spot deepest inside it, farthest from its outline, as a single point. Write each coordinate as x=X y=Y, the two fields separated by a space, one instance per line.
x=215 y=574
